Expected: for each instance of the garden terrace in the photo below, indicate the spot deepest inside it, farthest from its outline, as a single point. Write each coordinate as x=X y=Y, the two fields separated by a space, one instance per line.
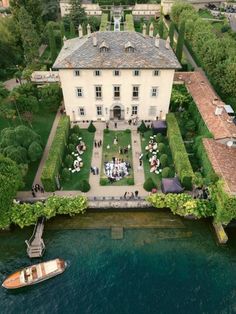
x=207 y=100
x=163 y=149
x=111 y=150
x=71 y=181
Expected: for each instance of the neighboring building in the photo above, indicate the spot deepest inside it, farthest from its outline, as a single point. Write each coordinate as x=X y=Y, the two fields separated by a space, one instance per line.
x=146 y=10
x=42 y=77
x=198 y=4
x=90 y=9
x=116 y=75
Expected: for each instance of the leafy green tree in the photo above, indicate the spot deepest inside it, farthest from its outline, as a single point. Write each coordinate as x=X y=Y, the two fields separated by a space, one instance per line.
x=171 y=33
x=84 y=186
x=72 y=29
x=52 y=43
x=50 y=10
x=62 y=30
x=161 y=27
x=3 y=91
x=178 y=8
x=77 y=13
x=149 y=184
x=94 y=23
x=180 y=41
x=51 y=96
x=29 y=36
x=35 y=151
x=16 y=153
x=10 y=182
x=25 y=136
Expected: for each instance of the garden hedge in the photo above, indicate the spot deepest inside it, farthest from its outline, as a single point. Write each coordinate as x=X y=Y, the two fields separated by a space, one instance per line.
x=53 y=163
x=129 y=25
x=179 y=153
x=104 y=21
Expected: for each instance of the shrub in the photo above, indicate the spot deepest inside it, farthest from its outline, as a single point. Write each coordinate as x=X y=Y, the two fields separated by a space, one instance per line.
x=166 y=172
x=129 y=25
x=103 y=181
x=106 y=131
x=104 y=21
x=180 y=156
x=69 y=161
x=190 y=125
x=73 y=138
x=76 y=129
x=142 y=128
x=161 y=148
x=149 y=184
x=159 y=137
x=35 y=151
x=130 y=181
x=66 y=174
x=128 y=131
x=71 y=148
x=91 y=128
x=163 y=160
x=84 y=186
x=54 y=160
x=16 y=153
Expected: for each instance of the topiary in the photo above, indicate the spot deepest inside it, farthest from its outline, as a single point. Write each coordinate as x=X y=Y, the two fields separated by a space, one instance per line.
x=142 y=128
x=66 y=174
x=71 y=148
x=91 y=127
x=161 y=148
x=130 y=181
x=73 y=138
x=163 y=160
x=103 y=181
x=166 y=172
x=149 y=185
x=68 y=161
x=159 y=137
x=106 y=131
x=128 y=131
x=76 y=129
x=84 y=186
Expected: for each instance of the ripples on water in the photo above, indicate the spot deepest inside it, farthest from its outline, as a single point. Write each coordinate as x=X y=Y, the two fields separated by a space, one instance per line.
x=149 y=271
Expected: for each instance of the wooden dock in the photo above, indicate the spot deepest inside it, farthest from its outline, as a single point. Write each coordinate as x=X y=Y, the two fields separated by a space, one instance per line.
x=35 y=245
x=220 y=233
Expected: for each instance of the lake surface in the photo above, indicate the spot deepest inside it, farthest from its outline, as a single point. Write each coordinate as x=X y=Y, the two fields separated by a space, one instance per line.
x=148 y=271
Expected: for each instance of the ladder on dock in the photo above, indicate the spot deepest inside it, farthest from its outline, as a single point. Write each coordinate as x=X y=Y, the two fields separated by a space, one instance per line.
x=35 y=245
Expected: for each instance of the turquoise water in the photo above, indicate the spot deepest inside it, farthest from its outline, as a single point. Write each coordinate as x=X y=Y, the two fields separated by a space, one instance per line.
x=149 y=271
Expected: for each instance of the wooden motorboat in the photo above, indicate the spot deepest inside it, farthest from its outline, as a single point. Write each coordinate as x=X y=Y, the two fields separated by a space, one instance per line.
x=34 y=274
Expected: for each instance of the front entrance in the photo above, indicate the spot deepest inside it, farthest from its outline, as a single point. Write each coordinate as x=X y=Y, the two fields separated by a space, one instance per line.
x=117 y=112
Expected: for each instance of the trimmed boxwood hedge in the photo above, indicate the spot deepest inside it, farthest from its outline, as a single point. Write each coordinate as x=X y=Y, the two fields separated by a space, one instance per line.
x=179 y=153
x=54 y=160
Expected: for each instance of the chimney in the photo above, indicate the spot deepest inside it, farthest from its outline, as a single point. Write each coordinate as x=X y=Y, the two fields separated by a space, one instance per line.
x=88 y=30
x=144 y=29
x=167 y=43
x=95 y=41
x=151 y=28
x=80 y=32
x=157 y=39
x=64 y=39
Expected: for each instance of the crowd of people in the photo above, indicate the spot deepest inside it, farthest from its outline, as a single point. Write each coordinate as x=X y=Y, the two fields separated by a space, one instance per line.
x=78 y=162
x=36 y=188
x=152 y=150
x=116 y=169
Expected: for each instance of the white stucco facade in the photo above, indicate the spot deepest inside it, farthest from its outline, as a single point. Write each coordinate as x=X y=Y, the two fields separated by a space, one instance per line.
x=149 y=104
x=92 y=9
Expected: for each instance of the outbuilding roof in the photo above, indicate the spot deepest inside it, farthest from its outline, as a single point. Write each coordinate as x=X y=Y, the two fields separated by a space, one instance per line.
x=82 y=53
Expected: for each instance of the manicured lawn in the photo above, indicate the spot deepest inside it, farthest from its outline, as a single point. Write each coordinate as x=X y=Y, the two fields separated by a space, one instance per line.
x=124 y=139
x=205 y=14
x=76 y=177
x=156 y=177
x=41 y=124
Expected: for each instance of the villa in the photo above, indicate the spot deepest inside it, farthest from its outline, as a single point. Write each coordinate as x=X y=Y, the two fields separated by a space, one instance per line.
x=116 y=76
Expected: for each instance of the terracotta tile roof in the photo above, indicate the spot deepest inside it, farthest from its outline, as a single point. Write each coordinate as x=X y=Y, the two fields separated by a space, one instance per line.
x=223 y=160
x=204 y=95
x=81 y=53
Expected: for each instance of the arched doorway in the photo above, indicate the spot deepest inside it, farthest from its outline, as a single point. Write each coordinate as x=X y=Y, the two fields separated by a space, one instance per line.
x=117 y=112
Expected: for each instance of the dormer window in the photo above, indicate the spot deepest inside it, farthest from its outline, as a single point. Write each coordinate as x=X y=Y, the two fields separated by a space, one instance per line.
x=104 y=47
x=129 y=47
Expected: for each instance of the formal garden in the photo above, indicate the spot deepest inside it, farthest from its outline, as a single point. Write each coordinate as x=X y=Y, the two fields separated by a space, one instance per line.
x=117 y=167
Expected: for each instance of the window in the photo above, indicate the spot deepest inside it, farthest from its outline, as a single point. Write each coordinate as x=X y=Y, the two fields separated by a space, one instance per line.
x=134 y=110
x=116 y=73
x=77 y=72
x=154 y=91
x=152 y=111
x=156 y=72
x=81 y=111
x=136 y=72
x=99 y=110
x=97 y=73
x=79 y=92
x=135 y=91
x=98 y=92
x=116 y=91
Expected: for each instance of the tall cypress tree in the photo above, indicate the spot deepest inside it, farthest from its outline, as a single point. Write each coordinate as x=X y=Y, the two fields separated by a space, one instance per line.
x=161 y=27
x=72 y=29
x=77 y=13
x=171 y=33
x=52 y=42
x=29 y=36
x=62 y=29
x=180 y=42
